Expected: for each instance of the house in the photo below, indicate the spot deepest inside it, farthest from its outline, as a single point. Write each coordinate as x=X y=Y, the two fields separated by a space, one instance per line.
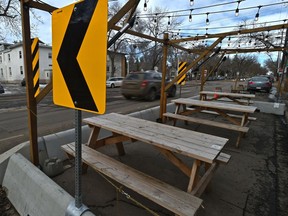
x=12 y=63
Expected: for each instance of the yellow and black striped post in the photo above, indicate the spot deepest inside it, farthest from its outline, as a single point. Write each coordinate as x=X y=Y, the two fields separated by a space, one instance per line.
x=35 y=65
x=181 y=67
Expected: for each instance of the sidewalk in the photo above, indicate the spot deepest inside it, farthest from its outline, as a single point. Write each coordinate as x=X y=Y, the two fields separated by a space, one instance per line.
x=253 y=183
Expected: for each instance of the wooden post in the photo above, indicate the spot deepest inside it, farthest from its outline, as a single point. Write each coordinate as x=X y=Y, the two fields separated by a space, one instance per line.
x=31 y=100
x=163 y=98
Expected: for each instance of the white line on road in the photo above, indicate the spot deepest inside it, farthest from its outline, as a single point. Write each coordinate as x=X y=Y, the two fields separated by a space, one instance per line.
x=12 y=137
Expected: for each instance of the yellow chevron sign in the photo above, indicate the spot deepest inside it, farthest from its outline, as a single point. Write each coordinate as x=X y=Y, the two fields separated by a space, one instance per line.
x=79 y=50
x=181 y=67
x=35 y=65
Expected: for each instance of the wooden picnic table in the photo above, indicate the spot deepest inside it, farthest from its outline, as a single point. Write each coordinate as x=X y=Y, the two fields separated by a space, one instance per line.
x=243 y=99
x=205 y=149
x=190 y=106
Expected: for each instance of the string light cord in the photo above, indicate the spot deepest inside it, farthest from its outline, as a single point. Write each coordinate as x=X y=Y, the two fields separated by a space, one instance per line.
x=174 y=31
x=166 y=14
x=198 y=8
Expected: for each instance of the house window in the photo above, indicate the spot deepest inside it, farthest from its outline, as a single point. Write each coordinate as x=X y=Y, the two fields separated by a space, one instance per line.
x=21 y=70
x=10 y=71
x=49 y=55
x=9 y=59
x=20 y=54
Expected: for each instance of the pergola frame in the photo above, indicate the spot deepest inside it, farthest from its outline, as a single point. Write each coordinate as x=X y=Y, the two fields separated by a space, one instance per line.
x=129 y=8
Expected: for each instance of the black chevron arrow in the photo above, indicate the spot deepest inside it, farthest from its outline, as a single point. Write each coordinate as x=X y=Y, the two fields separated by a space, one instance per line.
x=71 y=71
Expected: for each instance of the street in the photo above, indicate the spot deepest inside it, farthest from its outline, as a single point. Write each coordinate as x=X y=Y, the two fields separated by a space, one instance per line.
x=14 y=128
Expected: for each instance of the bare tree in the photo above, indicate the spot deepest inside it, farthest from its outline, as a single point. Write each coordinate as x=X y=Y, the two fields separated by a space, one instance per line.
x=10 y=18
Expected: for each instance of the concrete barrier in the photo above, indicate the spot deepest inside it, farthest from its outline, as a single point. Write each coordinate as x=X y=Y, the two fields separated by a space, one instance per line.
x=270 y=107
x=31 y=192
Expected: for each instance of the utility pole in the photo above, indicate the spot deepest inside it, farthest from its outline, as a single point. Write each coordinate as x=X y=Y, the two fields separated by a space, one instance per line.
x=283 y=66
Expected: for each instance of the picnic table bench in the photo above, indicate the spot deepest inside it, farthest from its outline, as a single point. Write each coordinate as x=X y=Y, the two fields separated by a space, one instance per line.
x=190 y=106
x=205 y=149
x=242 y=99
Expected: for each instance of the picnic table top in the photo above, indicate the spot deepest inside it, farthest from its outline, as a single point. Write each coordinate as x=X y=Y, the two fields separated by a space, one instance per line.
x=194 y=144
x=216 y=105
x=228 y=94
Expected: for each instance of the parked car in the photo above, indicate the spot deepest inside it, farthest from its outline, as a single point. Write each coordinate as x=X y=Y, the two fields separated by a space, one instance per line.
x=1 y=89
x=259 y=83
x=270 y=77
x=113 y=82
x=145 y=85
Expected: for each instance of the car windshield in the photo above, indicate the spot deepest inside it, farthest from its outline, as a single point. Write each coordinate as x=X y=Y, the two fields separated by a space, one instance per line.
x=111 y=79
x=147 y=75
x=263 y=79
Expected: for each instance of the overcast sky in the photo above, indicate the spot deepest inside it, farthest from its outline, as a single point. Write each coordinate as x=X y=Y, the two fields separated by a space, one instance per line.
x=217 y=20
x=220 y=18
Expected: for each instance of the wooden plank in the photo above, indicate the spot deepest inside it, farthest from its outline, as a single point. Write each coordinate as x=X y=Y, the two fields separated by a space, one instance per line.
x=229 y=114
x=194 y=175
x=176 y=161
x=171 y=198
x=236 y=95
x=223 y=158
x=201 y=146
x=204 y=181
x=216 y=105
x=207 y=122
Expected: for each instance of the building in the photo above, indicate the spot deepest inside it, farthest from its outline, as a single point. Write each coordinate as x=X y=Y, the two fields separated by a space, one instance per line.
x=12 y=63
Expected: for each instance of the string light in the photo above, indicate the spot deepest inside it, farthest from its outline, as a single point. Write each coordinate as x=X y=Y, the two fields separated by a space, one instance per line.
x=207 y=19
x=257 y=14
x=155 y=19
x=145 y=5
x=191 y=2
x=206 y=35
x=136 y=22
x=266 y=37
x=169 y=21
x=190 y=16
x=237 y=9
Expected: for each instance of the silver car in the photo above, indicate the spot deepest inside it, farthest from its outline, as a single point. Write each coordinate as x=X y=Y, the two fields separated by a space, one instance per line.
x=259 y=83
x=113 y=82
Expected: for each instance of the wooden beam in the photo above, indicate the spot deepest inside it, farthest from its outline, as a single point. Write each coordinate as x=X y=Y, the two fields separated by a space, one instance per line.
x=203 y=55
x=244 y=50
x=41 y=6
x=31 y=101
x=127 y=7
x=242 y=31
x=44 y=92
x=138 y=34
x=163 y=96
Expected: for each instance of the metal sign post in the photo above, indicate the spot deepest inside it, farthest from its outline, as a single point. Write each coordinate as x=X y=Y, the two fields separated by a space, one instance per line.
x=78 y=159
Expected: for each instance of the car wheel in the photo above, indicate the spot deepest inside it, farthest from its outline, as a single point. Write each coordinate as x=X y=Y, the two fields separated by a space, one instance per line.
x=127 y=97
x=151 y=96
x=172 y=92
x=112 y=85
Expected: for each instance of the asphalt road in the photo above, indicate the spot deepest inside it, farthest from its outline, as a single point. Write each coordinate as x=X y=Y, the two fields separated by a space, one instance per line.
x=14 y=127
